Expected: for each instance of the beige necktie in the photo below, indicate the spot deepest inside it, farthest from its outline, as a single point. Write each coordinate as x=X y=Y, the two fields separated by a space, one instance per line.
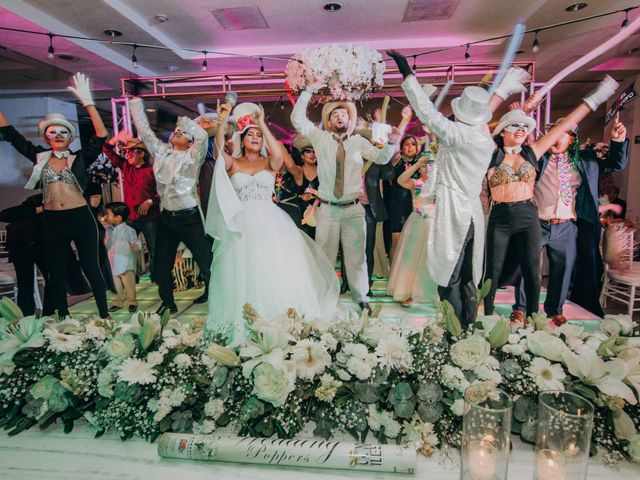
x=338 y=187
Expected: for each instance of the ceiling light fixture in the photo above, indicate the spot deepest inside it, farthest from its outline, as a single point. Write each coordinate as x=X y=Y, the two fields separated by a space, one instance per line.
x=173 y=68
x=161 y=18
x=205 y=64
x=414 y=64
x=261 y=67
x=134 y=59
x=467 y=55
x=111 y=32
x=576 y=7
x=332 y=7
x=51 y=52
x=625 y=22
x=535 y=48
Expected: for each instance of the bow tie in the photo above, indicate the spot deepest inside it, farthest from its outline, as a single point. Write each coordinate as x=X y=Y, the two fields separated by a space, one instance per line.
x=512 y=150
x=64 y=154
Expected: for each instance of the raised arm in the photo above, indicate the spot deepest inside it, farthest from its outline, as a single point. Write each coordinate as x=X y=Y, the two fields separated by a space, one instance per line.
x=405 y=179
x=591 y=102
x=275 y=147
x=293 y=168
x=382 y=155
x=18 y=141
x=299 y=118
x=200 y=138
x=139 y=117
x=407 y=113
x=618 y=154
x=109 y=150
x=223 y=117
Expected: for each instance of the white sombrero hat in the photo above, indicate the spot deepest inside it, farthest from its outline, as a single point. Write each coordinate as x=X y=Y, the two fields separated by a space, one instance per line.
x=243 y=113
x=350 y=107
x=55 y=119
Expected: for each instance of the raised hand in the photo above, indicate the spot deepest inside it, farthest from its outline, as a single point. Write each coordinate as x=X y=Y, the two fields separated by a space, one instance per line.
x=407 y=113
x=394 y=136
x=223 y=109
x=259 y=115
x=618 y=131
x=605 y=89
x=401 y=62
x=513 y=82
x=515 y=106
x=81 y=89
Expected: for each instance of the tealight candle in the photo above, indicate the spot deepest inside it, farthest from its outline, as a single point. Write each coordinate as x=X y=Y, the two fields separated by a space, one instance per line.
x=482 y=460
x=551 y=465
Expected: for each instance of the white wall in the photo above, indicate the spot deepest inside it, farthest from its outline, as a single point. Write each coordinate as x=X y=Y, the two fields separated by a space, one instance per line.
x=24 y=114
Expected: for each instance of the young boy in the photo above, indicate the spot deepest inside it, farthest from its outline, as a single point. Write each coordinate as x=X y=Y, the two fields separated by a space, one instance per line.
x=122 y=245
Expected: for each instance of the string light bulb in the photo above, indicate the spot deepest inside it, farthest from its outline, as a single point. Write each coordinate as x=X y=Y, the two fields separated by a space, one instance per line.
x=205 y=64
x=134 y=59
x=467 y=55
x=261 y=67
x=413 y=67
x=535 y=48
x=51 y=52
x=625 y=22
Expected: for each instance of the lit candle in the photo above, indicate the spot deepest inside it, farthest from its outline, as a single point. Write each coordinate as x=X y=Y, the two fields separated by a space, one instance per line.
x=482 y=460
x=551 y=465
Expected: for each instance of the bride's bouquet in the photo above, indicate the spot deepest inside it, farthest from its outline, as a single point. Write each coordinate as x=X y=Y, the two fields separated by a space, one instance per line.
x=346 y=72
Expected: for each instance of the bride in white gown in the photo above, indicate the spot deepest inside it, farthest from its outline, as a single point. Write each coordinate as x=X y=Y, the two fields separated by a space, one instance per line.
x=259 y=255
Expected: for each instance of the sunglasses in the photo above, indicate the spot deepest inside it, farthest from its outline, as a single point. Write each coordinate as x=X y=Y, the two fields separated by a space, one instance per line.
x=514 y=127
x=132 y=151
x=53 y=132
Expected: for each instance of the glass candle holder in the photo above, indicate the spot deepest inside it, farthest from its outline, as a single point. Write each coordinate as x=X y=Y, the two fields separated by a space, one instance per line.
x=565 y=422
x=486 y=430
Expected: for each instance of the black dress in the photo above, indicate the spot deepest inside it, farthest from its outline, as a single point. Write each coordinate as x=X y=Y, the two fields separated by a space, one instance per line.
x=397 y=199
x=288 y=199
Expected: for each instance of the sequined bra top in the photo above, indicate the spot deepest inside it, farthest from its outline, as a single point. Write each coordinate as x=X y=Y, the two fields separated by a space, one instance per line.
x=504 y=173
x=49 y=175
x=508 y=185
x=257 y=187
x=60 y=189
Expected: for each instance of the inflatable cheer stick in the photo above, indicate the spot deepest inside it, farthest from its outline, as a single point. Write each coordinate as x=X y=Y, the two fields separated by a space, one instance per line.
x=514 y=44
x=443 y=94
x=612 y=42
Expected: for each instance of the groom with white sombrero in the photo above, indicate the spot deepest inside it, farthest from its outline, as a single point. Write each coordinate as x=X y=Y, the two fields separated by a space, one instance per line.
x=340 y=156
x=456 y=246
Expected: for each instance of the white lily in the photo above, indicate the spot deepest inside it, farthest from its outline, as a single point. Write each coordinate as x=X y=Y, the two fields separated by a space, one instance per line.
x=623 y=425
x=27 y=333
x=631 y=356
x=606 y=376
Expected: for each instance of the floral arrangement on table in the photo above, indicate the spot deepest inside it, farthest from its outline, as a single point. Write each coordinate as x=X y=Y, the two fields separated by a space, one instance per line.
x=102 y=171
x=346 y=72
x=357 y=375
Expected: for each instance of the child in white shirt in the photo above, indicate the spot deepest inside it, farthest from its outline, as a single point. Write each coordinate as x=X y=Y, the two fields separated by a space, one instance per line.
x=122 y=246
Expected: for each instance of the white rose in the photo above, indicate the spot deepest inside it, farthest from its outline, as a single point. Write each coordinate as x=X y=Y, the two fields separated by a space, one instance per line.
x=273 y=382
x=120 y=346
x=470 y=352
x=515 y=350
x=543 y=344
x=329 y=341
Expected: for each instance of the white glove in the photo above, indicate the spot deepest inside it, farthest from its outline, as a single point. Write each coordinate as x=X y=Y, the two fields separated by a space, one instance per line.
x=512 y=82
x=605 y=89
x=81 y=89
x=429 y=89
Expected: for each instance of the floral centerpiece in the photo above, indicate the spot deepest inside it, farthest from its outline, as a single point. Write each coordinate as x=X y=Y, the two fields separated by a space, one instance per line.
x=357 y=375
x=346 y=72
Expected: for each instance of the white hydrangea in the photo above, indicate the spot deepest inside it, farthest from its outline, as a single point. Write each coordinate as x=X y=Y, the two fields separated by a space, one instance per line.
x=182 y=360
x=214 y=408
x=457 y=407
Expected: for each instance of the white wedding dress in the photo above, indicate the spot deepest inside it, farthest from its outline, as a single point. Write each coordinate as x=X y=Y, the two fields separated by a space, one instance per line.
x=260 y=257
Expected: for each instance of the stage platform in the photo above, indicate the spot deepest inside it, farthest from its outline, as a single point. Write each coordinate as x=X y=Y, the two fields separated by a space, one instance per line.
x=148 y=300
